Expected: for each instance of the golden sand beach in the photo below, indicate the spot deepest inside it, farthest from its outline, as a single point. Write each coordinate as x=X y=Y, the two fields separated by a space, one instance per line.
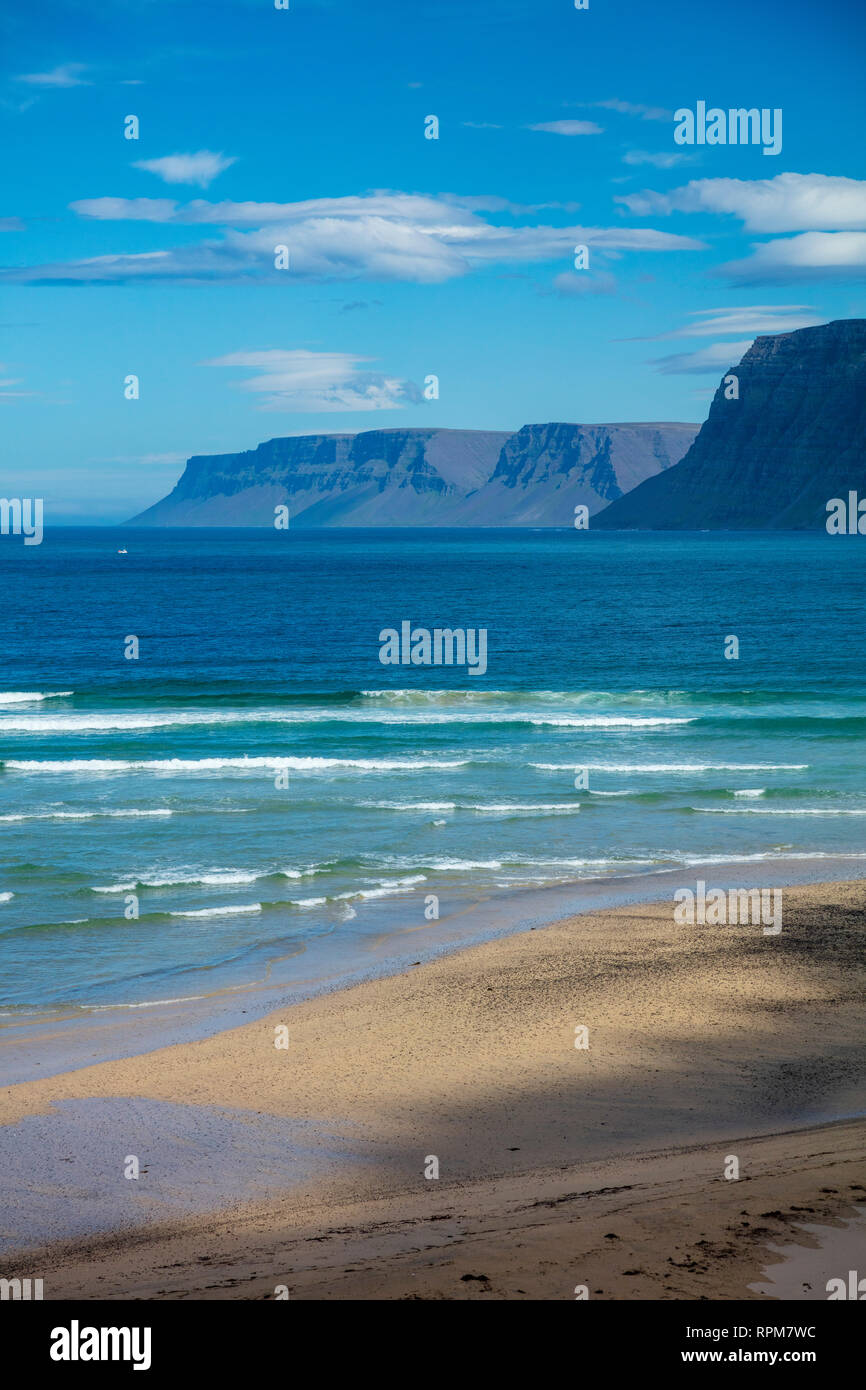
x=565 y=1158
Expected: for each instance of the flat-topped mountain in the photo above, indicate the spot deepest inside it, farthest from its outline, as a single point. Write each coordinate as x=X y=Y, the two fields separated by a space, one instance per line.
x=423 y=477
x=771 y=458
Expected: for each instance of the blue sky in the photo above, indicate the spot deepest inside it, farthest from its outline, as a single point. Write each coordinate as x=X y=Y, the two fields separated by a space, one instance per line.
x=408 y=256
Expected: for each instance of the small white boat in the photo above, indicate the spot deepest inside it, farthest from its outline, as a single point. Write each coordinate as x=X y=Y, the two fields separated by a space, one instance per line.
x=123 y=552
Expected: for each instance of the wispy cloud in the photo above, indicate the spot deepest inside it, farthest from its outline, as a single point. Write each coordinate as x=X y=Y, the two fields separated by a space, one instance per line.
x=298 y=380
x=661 y=159
x=130 y=209
x=381 y=236
x=568 y=127
x=630 y=108
x=67 y=75
x=410 y=207
x=6 y=385
x=750 y=318
x=200 y=168
x=714 y=358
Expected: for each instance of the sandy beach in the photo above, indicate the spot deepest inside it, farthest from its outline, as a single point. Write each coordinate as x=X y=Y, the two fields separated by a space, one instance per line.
x=558 y=1165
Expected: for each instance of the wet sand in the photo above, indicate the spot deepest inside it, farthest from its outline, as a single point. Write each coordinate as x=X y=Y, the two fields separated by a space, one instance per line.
x=557 y=1165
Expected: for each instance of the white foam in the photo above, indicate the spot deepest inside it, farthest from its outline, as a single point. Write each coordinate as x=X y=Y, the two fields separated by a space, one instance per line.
x=246 y=764
x=20 y=697
x=217 y=878
x=126 y=720
x=147 y=1003
x=218 y=911
x=439 y=695
x=780 y=855
x=461 y=865
x=388 y=887
x=599 y=721
x=494 y=808
x=368 y=893
x=778 y=811
x=516 y=808
x=83 y=815
x=676 y=768
x=432 y=696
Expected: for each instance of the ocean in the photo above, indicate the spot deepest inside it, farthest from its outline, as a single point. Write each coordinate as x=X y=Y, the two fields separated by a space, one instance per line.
x=257 y=781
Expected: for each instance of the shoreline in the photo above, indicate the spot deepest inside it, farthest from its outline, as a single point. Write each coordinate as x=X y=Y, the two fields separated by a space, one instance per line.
x=661 y=1225
x=35 y=1046
x=700 y=1040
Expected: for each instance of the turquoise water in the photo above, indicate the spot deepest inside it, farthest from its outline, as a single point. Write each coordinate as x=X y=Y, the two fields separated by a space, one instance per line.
x=257 y=779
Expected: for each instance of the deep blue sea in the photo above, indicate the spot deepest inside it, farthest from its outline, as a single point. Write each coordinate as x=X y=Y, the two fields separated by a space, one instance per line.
x=257 y=778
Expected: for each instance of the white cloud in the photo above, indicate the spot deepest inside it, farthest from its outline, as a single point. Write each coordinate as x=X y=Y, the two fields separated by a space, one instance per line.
x=417 y=209
x=200 y=168
x=810 y=256
x=714 y=358
x=632 y=108
x=128 y=209
x=67 y=75
x=661 y=159
x=646 y=203
x=752 y=318
x=382 y=236
x=298 y=380
x=6 y=383
x=786 y=203
x=568 y=127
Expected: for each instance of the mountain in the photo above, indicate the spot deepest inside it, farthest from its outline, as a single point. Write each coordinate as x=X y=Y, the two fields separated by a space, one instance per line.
x=544 y=471
x=774 y=457
x=422 y=477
